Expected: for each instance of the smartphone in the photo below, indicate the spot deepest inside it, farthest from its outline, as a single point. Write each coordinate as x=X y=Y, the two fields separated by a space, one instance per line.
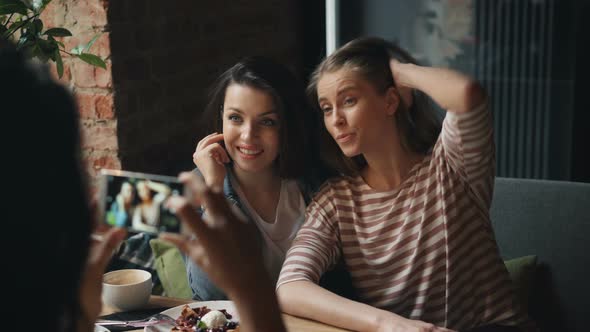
x=136 y=201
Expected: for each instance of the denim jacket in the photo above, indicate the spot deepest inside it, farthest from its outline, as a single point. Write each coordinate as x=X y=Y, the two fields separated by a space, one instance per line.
x=202 y=288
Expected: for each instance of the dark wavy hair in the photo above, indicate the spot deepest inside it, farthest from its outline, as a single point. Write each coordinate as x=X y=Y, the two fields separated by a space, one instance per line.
x=46 y=185
x=299 y=127
x=418 y=124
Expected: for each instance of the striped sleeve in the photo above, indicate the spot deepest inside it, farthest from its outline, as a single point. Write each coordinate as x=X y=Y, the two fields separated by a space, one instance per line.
x=467 y=145
x=315 y=249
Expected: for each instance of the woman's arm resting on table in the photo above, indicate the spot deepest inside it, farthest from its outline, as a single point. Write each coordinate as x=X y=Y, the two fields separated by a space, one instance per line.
x=450 y=89
x=308 y=300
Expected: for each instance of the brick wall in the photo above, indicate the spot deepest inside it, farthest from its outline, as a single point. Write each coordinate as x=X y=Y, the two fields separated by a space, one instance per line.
x=141 y=114
x=92 y=86
x=166 y=53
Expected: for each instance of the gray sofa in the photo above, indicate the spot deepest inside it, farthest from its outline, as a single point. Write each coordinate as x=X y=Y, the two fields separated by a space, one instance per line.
x=549 y=219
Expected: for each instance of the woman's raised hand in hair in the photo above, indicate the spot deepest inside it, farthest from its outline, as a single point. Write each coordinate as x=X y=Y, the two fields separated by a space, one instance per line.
x=404 y=91
x=450 y=89
x=210 y=157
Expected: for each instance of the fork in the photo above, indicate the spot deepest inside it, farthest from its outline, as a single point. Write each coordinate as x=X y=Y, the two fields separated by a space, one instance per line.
x=149 y=321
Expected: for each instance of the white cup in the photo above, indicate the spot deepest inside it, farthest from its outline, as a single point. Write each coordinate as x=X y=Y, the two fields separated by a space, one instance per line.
x=126 y=289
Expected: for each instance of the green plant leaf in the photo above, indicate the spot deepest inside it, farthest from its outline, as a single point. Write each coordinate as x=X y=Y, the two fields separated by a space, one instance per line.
x=56 y=41
x=77 y=50
x=40 y=53
x=14 y=25
x=44 y=50
x=36 y=6
x=83 y=48
x=44 y=4
x=38 y=24
x=59 y=63
x=24 y=39
x=28 y=28
x=93 y=60
x=48 y=47
x=58 y=32
x=12 y=6
x=91 y=42
x=11 y=30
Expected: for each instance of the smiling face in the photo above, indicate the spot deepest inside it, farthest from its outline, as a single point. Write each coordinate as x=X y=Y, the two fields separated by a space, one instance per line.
x=250 y=128
x=355 y=115
x=127 y=192
x=143 y=191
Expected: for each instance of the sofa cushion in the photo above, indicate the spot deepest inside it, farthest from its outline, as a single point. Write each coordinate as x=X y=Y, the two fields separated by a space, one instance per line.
x=522 y=273
x=169 y=264
x=550 y=219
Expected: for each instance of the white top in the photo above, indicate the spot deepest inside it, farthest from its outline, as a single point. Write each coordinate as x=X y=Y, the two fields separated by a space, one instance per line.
x=146 y=218
x=279 y=234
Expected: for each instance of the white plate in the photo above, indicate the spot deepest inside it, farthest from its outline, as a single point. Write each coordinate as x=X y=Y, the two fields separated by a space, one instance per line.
x=175 y=313
x=98 y=328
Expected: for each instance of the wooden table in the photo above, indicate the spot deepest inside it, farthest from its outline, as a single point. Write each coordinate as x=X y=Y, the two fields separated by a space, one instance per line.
x=294 y=324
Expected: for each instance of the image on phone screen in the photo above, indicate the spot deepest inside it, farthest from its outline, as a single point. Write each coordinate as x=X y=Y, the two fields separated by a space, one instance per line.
x=136 y=201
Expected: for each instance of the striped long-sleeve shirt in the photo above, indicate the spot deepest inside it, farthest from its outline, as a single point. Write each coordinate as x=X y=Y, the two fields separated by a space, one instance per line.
x=425 y=250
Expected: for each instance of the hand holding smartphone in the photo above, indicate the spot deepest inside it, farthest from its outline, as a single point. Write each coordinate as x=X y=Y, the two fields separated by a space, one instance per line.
x=135 y=201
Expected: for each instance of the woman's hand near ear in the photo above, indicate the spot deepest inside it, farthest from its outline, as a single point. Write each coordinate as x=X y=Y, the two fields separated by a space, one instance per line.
x=210 y=157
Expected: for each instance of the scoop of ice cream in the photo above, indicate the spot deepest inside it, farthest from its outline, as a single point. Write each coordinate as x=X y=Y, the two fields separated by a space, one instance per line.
x=214 y=319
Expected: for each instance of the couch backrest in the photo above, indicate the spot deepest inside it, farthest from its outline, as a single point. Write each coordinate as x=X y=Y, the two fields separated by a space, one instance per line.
x=550 y=219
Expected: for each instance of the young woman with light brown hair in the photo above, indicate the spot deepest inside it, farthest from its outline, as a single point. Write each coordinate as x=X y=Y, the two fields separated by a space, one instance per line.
x=410 y=214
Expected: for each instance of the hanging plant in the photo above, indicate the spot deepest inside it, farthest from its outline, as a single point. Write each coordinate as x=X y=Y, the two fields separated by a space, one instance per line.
x=20 y=23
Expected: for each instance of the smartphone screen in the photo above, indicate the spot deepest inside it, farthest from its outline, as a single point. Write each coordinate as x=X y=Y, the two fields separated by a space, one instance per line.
x=136 y=201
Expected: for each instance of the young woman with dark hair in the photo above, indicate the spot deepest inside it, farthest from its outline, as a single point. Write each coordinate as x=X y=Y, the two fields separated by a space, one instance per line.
x=59 y=265
x=262 y=154
x=57 y=272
